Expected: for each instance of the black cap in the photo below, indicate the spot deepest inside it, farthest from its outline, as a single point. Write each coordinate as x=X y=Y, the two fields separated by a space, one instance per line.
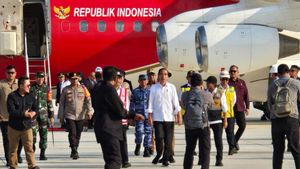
x=40 y=74
x=212 y=79
x=120 y=73
x=143 y=77
x=60 y=74
x=73 y=75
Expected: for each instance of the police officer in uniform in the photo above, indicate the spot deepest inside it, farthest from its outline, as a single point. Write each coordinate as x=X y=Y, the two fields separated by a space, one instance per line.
x=75 y=105
x=138 y=105
x=44 y=112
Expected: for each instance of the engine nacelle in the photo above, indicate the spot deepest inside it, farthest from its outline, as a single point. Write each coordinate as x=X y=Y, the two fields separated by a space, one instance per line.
x=251 y=47
x=175 y=45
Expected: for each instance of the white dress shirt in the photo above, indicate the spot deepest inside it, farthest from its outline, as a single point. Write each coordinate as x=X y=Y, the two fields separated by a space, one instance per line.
x=64 y=84
x=163 y=102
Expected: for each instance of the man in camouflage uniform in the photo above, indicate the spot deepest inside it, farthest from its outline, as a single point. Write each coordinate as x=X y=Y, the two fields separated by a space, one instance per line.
x=44 y=111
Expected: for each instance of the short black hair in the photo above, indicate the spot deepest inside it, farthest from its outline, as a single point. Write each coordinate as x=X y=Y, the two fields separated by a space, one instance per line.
x=162 y=69
x=234 y=66
x=109 y=73
x=283 y=69
x=196 y=80
x=295 y=67
x=98 y=75
x=22 y=80
x=9 y=67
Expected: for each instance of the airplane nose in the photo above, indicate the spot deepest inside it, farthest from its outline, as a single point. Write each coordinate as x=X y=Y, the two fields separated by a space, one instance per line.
x=162 y=45
x=201 y=48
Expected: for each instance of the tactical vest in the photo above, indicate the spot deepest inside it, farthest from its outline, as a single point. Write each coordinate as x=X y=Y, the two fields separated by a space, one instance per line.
x=184 y=88
x=229 y=93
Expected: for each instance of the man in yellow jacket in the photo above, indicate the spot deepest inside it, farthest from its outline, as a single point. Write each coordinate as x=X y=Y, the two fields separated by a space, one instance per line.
x=228 y=117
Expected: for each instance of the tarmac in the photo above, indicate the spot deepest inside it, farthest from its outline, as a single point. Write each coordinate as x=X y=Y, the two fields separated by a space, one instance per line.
x=255 y=150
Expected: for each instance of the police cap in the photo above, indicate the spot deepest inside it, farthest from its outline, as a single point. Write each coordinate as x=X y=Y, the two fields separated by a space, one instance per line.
x=60 y=74
x=74 y=75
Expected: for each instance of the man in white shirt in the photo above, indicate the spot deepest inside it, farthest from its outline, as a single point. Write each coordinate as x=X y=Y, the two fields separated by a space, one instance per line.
x=163 y=111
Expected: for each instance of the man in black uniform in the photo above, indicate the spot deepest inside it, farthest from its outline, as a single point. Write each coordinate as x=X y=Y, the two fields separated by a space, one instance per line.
x=108 y=114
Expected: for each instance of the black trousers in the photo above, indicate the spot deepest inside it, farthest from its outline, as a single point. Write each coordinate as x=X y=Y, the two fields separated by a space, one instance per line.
x=75 y=128
x=111 y=151
x=124 y=146
x=282 y=127
x=4 y=126
x=241 y=122
x=218 y=132
x=191 y=137
x=164 y=133
x=230 y=132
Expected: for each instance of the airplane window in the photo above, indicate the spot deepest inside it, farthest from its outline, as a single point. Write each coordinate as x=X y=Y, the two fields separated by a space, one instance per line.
x=137 y=26
x=101 y=26
x=83 y=26
x=119 y=26
x=154 y=25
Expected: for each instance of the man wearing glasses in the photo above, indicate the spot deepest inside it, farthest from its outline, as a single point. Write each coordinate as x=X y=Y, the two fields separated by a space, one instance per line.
x=21 y=107
x=7 y=86
x=242 y=102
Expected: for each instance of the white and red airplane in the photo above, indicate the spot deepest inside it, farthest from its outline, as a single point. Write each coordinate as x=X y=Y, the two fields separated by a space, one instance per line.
x=84 y=34
x=194 y=34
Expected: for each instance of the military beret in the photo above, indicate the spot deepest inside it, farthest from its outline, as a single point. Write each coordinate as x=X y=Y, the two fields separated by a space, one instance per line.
x=40 y=74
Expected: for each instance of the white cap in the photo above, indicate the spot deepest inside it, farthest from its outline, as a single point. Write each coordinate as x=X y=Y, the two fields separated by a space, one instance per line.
x=98 y=69
x=273 y=69
x=224 y=74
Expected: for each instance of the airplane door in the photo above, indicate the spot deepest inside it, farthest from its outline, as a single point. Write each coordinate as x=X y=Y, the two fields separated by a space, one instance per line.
x=35 y=29
x=11 y=34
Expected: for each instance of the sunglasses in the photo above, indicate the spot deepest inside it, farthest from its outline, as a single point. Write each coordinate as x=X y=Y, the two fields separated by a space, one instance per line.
x=232 y=71
x=11 y=73
x=224 y=79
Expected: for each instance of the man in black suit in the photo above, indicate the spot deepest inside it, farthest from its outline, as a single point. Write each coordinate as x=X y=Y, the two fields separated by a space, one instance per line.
x=108 y=114
x=61 y=79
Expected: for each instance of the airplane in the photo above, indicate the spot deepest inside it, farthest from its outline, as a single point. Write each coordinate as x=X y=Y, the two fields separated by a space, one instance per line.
x=254 y=38
x=79 y=35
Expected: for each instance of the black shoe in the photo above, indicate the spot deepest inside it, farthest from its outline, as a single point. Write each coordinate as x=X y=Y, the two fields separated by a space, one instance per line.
x=172 y=160
x=160 y=160
x=237 y=147
x=35 y=167
x=155 y=160
x=42 y=155
x=20 y=160
x=146 y=152
x=137 y=149
x=165 y=163
x=151 y=151
x=232 y=151
x=199 y=162
x=43 y=158
x=126 y=165
x=75 y=156
x=219 y=163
